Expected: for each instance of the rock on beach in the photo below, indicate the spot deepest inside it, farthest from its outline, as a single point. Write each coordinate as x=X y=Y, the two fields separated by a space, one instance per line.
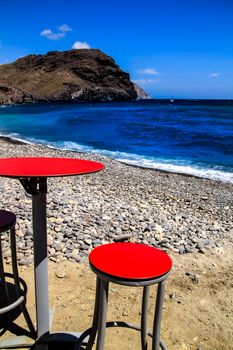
x=173 y=212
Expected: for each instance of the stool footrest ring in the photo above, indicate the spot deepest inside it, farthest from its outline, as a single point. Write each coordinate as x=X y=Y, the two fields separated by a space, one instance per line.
x=12 y=306
x=19 y=300
x=121 y=324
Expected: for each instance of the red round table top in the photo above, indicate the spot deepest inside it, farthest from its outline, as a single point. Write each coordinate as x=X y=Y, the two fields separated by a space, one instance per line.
x=130 y=261
x=46 y=167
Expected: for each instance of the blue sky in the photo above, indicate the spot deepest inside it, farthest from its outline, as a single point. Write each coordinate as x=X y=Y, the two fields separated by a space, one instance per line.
x=173 y=48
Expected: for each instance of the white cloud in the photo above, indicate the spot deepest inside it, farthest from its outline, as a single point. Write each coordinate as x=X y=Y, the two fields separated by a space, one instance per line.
x=146 y=81
x=49 y=34
x=81 y=45
x=65 y=28
x=214 y=75
x=150 y=71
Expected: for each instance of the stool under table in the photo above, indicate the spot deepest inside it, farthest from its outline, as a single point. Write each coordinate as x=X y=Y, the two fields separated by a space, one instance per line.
x=128 y=264
x=12 y=298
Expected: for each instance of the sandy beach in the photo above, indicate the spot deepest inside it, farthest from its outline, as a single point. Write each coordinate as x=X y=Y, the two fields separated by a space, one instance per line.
x=190 y=218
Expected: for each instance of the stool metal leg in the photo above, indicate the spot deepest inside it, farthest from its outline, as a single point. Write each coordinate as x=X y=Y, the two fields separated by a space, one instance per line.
x=145 y=302
x=95 y=316
x=17 y=283
x=102 y=303
x=102 y=314
x=158 y=316
x=2 y=276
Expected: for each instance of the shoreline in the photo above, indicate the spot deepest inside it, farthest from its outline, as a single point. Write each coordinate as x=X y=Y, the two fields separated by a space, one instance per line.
x=166 y=100
x=130 y=164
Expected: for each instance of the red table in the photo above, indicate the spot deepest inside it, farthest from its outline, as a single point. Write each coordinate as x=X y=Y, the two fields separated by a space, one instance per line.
x=33 y=174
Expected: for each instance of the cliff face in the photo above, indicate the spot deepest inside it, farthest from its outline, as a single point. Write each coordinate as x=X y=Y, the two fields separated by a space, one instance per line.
x=75 y=75
x=141 y=94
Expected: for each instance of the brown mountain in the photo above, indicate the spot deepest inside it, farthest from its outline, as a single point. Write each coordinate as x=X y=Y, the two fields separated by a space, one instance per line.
x=75 y=75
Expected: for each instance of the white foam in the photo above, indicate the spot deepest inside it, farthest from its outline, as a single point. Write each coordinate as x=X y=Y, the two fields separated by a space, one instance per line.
x=209 y=173
x=16 y=137
x=170 y=165
x=7 y=106
x=181 y=167
x=73 y=146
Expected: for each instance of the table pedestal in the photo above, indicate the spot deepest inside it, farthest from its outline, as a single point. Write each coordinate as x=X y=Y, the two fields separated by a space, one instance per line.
x=37 y=187
x=40 y=262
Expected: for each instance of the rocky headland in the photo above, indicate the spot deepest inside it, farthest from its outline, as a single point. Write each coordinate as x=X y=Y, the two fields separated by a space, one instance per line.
x=74 y=75
x=141 y=94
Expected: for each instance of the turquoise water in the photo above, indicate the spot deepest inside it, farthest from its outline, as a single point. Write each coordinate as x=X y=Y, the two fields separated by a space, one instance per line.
x=194 y=137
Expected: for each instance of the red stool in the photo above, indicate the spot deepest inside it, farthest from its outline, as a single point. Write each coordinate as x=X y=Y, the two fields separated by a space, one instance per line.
x=12 y=302
x=128 y=264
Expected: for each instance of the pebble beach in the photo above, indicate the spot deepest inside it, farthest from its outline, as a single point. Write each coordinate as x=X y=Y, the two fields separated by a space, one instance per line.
x=174 y=212
x=188 y=217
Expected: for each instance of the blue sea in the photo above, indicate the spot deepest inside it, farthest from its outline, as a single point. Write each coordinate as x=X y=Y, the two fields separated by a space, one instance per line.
x=184 y=136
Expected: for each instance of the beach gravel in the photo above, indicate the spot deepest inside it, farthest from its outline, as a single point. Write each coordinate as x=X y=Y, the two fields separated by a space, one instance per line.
x=173 y=212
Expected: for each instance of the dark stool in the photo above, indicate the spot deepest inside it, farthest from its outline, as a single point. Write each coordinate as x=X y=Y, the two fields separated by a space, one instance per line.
x=7 y=223
x=128 y=264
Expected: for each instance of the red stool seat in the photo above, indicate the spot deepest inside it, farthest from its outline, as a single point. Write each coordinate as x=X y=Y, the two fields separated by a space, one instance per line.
x=130 y=261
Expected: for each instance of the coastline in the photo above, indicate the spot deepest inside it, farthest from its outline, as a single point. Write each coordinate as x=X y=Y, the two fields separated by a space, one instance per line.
x=190 y=218
x=186 y=170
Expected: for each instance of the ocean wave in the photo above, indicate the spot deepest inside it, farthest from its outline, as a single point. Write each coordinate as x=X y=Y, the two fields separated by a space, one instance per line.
x=181 y=167
x=16 y=137
x=212 y=174
x=169 y=165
